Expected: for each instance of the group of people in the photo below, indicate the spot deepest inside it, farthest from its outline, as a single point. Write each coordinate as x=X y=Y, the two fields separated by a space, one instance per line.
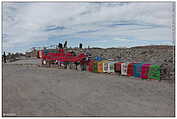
x=60 y=45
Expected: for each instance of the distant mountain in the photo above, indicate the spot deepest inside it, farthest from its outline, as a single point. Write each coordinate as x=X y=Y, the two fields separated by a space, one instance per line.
x=155 y=46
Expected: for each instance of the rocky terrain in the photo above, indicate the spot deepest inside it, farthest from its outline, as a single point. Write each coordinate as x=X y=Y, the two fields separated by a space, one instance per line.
x=161 y=55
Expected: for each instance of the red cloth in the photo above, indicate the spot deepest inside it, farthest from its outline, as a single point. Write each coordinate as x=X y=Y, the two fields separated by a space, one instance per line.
x=61 y=50
x=68 y=54
x=90 y=65
x=64 y=57
x=145 y=70
x=118 y=66
x=84 y=61
x=130 y=69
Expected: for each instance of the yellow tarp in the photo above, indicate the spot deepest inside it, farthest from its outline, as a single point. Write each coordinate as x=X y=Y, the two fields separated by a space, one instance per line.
x=100 y=65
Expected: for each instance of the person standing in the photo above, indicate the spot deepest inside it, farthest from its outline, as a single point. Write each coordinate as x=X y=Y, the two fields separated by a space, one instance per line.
x=4 y=57
x=65 y=44
x=83 y=64
x=60 y=46
x=80 y=45
x=76 y=65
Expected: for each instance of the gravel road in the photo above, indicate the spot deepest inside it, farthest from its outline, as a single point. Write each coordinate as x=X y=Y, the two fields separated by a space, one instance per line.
x=29 y=90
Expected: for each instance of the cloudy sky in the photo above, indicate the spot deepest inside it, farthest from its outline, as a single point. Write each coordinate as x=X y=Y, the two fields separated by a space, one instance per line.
x=97 y=24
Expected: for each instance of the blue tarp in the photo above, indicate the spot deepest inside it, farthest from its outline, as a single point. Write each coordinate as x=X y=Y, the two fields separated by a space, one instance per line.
x=137 y=68
x=98 y=58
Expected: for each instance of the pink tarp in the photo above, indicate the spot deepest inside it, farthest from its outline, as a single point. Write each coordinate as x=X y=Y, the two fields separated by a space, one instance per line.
x=145 y=69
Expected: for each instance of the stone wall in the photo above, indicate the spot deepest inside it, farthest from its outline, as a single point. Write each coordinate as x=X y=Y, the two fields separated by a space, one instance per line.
x=160 y=55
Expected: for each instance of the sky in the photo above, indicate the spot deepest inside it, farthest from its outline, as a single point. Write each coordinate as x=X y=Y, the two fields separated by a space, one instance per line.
x=94 y=24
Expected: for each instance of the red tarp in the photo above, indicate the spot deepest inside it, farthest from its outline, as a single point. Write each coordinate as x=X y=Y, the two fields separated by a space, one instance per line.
x=117 y=66
x=62 y=57
x=90 y=66
x=130 y=69
x=145 y=69
x=61 y=50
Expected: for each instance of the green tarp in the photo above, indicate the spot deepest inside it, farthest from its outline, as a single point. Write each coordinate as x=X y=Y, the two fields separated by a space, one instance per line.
x=51 y=51
x=95 y=67
x=154 y=72
x=111 y=67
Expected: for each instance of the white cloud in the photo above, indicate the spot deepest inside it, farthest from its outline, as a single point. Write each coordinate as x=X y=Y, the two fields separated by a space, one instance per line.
x=25 y=23
x=121 y=39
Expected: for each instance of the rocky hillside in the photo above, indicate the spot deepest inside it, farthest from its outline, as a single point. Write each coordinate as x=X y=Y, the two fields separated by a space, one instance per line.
x=161 y=55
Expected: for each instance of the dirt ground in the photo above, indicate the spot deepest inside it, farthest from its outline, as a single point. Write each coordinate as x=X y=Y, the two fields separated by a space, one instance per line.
x=29 y=90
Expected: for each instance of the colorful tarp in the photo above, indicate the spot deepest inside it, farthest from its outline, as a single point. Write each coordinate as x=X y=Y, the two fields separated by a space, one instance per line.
x=100 y=65
x=145 y=70
x=117 y=66
x=40 y=53
x=98 y=58
x=90 y=66
x=137 y=69
x=124 y=67
x=111 y=67
x=95 y=66
x=130 y=69
x=105 y=66
x=154 y=72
